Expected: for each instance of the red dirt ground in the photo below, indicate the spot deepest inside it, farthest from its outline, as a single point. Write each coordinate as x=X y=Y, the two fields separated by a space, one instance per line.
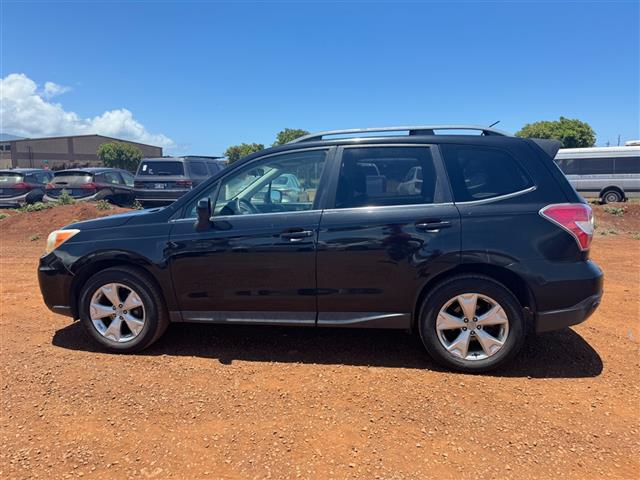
x=261 y=402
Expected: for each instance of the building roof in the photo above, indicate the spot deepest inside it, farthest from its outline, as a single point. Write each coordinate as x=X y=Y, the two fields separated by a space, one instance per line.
x=81 y=136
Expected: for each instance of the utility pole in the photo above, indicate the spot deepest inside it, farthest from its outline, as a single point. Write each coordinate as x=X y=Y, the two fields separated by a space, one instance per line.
x=618 y=139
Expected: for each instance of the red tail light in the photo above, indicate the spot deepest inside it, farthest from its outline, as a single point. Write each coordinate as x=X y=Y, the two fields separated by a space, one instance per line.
x=49 y=186
x=575 y=218
x=20 y=186
x=89 y=186
x=184 y=183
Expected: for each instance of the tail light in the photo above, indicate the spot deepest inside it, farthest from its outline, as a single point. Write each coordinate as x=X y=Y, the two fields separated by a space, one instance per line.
x=575 y=218
x=89 y=186
x=49 y=186
x=184 y=183
x=20 y=186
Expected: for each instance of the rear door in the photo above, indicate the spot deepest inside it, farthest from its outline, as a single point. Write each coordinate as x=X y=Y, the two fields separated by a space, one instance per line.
x=381 y=239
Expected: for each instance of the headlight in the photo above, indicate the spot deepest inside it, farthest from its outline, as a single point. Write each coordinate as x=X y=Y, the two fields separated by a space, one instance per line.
x=58 y=237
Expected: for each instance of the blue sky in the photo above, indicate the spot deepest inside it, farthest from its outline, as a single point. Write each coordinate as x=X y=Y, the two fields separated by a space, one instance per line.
x=199 y=76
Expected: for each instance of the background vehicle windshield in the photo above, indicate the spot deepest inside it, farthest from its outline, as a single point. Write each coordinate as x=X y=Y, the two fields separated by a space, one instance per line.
x=160 y=167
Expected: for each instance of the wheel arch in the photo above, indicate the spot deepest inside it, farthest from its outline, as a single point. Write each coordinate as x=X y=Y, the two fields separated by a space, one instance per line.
x=616 y=188
x=510 y=280
x=90 y=266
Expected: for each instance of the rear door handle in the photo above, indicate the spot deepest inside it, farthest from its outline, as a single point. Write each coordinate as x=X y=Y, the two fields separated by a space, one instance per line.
x=432 y=225
x=296 y=235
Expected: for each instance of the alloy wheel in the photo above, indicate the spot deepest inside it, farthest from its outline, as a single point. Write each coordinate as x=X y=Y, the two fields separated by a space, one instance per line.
x=117 y=312
x=472 y=326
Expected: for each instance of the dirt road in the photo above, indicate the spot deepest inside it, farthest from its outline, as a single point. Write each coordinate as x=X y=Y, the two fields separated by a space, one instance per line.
x=262 y=402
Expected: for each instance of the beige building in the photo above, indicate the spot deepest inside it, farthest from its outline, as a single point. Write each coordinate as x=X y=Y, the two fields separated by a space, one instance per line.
x=61 y=152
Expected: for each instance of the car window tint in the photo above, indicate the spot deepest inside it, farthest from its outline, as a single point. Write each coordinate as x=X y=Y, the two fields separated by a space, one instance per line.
x=198 y=169
x=627 y=165
x=214 y=168
x=569 y=166
x=109 y=177
x=128 y=178
x=478 y=173
x=160 y=167
x=595 y=166
x=379 y=176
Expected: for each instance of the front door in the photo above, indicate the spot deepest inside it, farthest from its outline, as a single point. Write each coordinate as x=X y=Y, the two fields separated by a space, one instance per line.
x=256 y=263
x=392 y=228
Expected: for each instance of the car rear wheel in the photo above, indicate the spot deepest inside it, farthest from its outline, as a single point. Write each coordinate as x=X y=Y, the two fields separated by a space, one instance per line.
x=122 y=309
x=472 y=323
x=611 y=196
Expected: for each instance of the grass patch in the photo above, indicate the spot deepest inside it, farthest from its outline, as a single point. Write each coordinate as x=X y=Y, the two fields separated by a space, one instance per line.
x=36 y=207
x=33 y=238
x=103 y=205
x=611 y=231
x=136 y=205
x=65 y=198
x=3 y=216
x=617 y=211
x=636 y=236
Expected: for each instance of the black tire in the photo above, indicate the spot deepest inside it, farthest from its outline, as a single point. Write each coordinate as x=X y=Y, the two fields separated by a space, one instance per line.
x=463 y=284
x=611 y=196
x=156 y=316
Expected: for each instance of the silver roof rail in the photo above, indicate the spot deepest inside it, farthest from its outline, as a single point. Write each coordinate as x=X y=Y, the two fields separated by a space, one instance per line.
x=413 y=130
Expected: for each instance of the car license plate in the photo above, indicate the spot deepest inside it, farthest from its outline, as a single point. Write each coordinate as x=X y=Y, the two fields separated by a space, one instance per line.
x=160 y=185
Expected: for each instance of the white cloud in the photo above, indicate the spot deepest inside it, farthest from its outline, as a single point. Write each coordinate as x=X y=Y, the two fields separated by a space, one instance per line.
x=27 y=111
x=52 y=89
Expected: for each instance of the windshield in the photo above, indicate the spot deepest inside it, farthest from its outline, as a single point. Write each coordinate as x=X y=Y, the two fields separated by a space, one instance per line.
x=10 y=178
x=161 y=167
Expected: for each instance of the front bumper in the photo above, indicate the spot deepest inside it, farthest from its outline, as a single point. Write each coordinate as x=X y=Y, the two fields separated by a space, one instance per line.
x=55 y=285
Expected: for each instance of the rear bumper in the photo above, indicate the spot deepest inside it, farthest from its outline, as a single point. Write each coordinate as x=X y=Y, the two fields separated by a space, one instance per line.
x=16 y=201
x=557 y=319
x=55 y=285
x=96 y=196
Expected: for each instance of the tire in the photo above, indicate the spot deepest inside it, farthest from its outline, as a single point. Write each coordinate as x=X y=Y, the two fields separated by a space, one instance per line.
x=138 y=328
x=483 y=354
x=611 y=196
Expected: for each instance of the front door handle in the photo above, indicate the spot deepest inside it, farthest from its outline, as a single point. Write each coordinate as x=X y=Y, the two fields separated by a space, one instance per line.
x=296 y=235
x=432 y=225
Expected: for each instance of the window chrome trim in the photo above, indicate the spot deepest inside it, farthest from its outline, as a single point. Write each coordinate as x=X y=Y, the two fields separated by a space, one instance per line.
x=246 y=215
x=499 y=197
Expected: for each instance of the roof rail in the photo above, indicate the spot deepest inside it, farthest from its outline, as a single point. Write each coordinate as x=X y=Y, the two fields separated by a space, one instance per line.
x=413 y=130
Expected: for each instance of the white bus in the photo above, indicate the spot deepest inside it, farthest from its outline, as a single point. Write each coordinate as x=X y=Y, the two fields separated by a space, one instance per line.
x=611 y=174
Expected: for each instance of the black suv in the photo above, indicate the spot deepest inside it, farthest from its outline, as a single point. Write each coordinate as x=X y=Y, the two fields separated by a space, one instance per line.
x=467 y=240
x=160 y=181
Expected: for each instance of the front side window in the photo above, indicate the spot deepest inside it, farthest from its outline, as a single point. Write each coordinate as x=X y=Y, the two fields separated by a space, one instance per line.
x=257 y=188
x=109 y=177
x=479 y=173
x=382 y=176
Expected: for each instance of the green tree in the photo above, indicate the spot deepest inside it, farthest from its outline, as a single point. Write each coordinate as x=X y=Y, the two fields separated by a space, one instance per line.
x=236 y=152
x=120 y=155
x=571 y=132
x=289 y=134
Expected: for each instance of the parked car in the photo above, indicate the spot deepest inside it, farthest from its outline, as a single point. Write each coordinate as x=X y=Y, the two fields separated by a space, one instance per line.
x=288 y=187
x=611 y=174
x=99 y=183
x=160 y=181
x=495 y=243
x=20 y=186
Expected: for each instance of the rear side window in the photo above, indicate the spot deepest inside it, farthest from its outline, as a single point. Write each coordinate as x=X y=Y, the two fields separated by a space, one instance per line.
x=380 y=176
x=161 y=167
x=198 y=169
x=627 y=165
x=214 y=168
x=109 y=177
x=478 y=173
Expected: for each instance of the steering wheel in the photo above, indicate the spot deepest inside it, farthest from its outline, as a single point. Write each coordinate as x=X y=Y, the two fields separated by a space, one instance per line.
x=241 y=206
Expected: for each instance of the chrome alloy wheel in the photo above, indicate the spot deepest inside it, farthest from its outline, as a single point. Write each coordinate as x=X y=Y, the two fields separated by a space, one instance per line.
x=472 y=326
x=117 y=312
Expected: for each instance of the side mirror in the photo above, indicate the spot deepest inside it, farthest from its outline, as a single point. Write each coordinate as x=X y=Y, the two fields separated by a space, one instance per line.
x=276 y=196
x=203 y=212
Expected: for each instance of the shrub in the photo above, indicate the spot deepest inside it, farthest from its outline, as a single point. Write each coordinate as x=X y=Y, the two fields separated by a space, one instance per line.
x=617 y=211
x=36 y=207
x=33 y=238
x=136 y=205
x=3 y=216
x=103 y=205
x=65 y=198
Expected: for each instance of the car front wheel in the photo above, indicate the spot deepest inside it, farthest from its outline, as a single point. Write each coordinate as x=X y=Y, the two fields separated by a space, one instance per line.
x=472 y=323
x=122 y=309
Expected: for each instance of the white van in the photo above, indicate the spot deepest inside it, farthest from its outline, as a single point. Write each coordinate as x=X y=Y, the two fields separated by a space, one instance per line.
x=611 y=174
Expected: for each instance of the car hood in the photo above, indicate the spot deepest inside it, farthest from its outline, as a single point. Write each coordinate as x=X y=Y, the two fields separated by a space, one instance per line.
x=112 y=220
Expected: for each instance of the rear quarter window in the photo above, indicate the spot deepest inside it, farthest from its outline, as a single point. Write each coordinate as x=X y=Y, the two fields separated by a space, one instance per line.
x=479 y=173
x=198 y=169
